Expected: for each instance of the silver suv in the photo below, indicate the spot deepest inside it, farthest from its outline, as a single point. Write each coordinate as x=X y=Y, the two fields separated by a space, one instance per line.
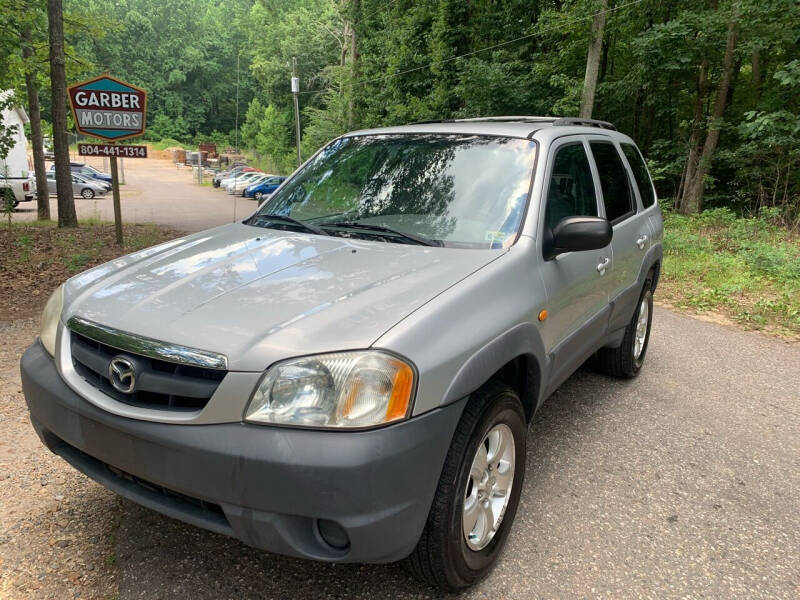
x=349 y=373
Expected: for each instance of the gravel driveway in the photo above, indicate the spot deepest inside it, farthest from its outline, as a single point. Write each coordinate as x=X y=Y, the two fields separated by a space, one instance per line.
x=682 y=483
x=156 y=191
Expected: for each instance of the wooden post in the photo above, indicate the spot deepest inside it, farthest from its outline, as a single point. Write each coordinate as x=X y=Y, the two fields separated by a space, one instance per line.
x=115 y=192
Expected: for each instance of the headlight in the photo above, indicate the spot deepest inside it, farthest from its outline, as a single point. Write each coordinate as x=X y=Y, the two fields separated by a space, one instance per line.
x=341 y=390
x=50 y=318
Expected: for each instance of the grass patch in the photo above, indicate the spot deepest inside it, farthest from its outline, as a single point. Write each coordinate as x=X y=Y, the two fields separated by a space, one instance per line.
x=166 y=143
x=747 y=269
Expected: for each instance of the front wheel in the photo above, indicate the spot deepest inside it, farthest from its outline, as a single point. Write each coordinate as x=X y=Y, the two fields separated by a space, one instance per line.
x=259 y=196
x=87 y=193
x=478 y=492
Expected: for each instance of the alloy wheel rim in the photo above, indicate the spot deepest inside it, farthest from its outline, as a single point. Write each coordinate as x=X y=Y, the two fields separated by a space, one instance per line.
x=641 y=329
x=488 y=490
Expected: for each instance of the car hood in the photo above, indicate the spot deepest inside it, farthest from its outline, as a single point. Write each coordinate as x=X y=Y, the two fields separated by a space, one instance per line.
x=260 y=295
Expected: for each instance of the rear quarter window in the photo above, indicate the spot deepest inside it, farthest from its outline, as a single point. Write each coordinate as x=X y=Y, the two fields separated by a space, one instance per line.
x=643 y=182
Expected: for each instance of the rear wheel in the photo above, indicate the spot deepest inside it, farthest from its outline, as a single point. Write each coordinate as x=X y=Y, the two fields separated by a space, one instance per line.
x=259 y=196
x=478 y=492
x=626 y=361
x=87 y=193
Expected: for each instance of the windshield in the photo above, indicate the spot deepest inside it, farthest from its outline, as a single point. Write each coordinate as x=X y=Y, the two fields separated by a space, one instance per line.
x=454 y=190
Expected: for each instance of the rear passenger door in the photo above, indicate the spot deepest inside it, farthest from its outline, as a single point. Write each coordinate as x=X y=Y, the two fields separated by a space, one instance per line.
x=631 y=232
x=575 y=281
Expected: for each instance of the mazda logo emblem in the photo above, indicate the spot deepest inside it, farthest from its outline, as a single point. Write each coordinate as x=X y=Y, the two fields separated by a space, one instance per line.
x=122 y=374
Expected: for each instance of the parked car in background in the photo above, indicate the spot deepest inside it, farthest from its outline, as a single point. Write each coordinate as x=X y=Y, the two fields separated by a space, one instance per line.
x=264 y=188
x=240 y=186
x=241 y=181
x=87 y=172
x=92 y=173
x=81 y=186
x=17 y=189
x=350 y=373
x=236 y=170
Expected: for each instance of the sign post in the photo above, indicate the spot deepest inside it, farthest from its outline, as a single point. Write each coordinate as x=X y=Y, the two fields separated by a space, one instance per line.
x=110 y=109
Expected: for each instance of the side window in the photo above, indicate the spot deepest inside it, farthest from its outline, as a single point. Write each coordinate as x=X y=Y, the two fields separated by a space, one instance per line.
x=617 y=195
x=571 y=191
x=640 y=174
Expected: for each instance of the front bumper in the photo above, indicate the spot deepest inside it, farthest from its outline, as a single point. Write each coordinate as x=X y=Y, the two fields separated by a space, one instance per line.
x=270 y=487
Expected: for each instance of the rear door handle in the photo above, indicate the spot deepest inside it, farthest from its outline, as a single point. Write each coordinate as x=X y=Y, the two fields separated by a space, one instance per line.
x=641 y=241
x=601 y=267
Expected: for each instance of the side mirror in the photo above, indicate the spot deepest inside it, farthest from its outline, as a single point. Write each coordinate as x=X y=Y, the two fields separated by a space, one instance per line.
x=576 y=234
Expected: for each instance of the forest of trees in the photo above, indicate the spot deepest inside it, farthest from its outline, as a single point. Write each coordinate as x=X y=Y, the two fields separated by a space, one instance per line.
x=709 y=89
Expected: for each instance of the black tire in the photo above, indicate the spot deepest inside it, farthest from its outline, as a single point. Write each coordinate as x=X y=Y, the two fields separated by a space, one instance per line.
x=87 y=193
x=442 y=557
x=259 y=196
x=622 y=362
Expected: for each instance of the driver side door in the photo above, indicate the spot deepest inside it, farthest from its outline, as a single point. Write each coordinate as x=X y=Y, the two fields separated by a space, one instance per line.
x=576 y=282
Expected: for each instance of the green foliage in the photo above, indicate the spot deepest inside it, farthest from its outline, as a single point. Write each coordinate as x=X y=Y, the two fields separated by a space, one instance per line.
x=183 y=52
x=746 y=267
x=440 y=59
x=266 y=131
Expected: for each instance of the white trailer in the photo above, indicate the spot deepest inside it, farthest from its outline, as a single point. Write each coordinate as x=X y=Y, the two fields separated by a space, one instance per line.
x=17 y=179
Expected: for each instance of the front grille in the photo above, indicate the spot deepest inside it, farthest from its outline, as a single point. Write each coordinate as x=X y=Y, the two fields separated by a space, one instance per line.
x=171 y=495
x=160 y=384
x=168 y=501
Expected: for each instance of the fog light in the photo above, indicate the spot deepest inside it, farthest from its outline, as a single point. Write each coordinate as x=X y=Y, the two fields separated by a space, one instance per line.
x=333 y=534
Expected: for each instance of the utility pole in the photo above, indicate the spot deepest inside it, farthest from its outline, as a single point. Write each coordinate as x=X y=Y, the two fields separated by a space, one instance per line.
x=238 y=56
x=295 y=92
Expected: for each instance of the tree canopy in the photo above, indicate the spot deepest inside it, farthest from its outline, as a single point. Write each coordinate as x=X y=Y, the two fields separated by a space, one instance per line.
x=710 y=89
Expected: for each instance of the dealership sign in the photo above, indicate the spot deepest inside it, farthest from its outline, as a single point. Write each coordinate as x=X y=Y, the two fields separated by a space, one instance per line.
x=108 y=108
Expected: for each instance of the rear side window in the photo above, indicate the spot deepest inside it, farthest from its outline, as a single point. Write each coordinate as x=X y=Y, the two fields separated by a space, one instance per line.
x=571 y=192
x=617 y=193
x=640 y=174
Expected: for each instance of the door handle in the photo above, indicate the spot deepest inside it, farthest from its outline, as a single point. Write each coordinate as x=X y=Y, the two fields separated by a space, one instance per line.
x=601 y=267
x=641 y=241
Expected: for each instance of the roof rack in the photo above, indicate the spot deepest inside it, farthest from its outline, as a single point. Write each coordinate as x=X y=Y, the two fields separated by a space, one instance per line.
x=503 y=119
x=509 y=119
x=584 y=123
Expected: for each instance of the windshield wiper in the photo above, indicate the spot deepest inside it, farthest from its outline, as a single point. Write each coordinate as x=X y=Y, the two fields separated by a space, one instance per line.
x=289 y=221
x=418 y=239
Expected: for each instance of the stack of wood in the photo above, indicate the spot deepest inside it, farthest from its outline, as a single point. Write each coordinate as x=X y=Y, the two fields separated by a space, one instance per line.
x=210 y=148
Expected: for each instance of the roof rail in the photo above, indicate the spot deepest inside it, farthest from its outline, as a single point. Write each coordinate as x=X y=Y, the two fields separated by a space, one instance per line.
x=429 y=121
x=503 y=119
x=509 y=119
x=584 y=122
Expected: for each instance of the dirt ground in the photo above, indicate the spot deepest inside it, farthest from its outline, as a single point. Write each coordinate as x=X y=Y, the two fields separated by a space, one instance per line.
x=35 y=259
x=57 y=527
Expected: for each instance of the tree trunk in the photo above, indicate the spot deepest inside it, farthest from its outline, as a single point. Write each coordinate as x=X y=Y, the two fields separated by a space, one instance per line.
x=593 y=61
x=694 y=137
x=353 y=64
x=756 y=63
x=696 y=189
x=35 y=115
x=58 y=82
